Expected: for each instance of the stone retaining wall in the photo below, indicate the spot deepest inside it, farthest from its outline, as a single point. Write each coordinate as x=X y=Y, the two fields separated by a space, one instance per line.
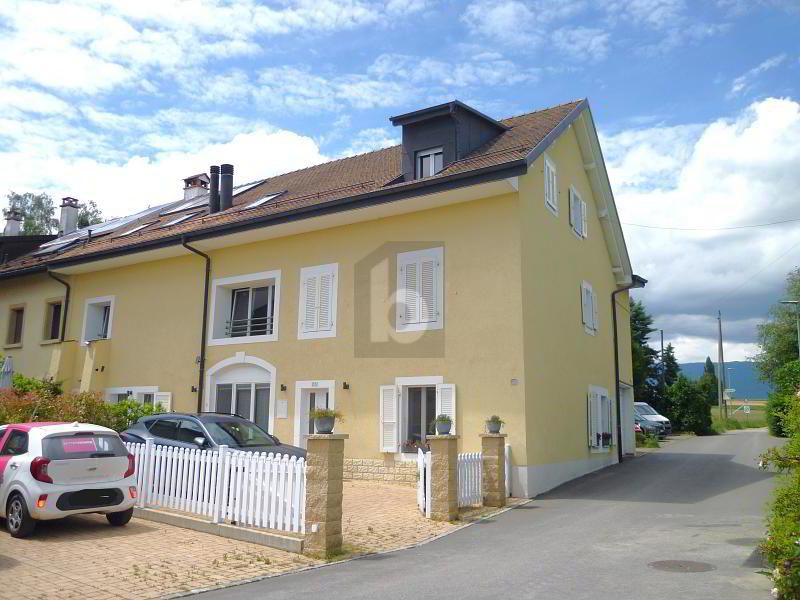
x=375 y=469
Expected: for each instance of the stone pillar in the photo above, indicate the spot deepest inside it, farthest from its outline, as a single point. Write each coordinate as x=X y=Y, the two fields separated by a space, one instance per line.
x=324 y=474
x=444 y=477
x=493 y=468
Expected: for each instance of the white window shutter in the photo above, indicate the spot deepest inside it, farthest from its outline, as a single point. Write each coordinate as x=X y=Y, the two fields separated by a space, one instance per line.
x=388 y=415
x=428 y=274
x=308 y=302
x=164 y=399
x=327 y=288
x=585 y=296
x=574 y=211
x=584 y=219
x=446 y=402
x=408 y=295
x=595 y=313
x=591 y=419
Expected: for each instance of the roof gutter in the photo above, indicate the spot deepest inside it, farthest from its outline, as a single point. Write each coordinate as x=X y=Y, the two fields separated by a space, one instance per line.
x=638 y=282
x=204 y=326
x=66 y=303
x=375 y=197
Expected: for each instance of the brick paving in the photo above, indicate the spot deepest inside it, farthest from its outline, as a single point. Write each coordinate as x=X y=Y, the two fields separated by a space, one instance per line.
x=83 y=557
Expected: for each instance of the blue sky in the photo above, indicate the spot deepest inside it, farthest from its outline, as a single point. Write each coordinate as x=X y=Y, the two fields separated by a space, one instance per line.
x=696 y=103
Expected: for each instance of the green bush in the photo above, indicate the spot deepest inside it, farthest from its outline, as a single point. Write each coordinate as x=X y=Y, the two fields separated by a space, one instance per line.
x=23 y=385
x=84 y=407
x=778 y=406
x=688 y=407
x=782 y=546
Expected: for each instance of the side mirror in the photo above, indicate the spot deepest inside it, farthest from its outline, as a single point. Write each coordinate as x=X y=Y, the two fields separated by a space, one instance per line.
x=200 y=441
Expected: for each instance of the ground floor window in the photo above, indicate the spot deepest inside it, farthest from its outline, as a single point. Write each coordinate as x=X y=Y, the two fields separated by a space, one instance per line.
x=600 y=419
x=248 y=400
x=420 y=410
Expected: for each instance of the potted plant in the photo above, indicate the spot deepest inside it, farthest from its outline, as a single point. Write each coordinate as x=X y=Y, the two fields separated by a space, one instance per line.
x=494 y=423
x=443 y=424
x=606 y=439
x=324 y=419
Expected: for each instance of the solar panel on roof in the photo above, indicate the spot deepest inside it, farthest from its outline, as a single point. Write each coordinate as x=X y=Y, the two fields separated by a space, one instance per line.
x=263 y=200
x=55 y=246
x=180 y=219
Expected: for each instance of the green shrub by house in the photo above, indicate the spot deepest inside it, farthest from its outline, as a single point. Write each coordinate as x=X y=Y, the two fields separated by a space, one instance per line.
x=689 y=410
x=782 y=546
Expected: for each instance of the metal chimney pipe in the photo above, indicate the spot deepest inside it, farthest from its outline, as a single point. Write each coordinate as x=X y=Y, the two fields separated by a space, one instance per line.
x=213 y=192
x=226 y=187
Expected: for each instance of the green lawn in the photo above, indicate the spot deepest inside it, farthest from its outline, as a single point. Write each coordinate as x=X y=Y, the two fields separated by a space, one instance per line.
x=741 y=420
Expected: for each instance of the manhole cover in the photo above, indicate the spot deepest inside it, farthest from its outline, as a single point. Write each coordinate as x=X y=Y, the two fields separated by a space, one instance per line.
x=682 y=566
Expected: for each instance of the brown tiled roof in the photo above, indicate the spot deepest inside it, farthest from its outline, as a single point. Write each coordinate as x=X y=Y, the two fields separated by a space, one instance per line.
x=317 y=185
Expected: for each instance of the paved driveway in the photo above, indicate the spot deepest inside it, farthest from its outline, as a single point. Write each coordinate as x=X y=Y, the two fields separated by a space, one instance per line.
x=697 y=499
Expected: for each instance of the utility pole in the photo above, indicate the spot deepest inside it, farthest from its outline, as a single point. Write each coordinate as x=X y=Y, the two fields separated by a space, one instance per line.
x=723 y=406
x=663 y=366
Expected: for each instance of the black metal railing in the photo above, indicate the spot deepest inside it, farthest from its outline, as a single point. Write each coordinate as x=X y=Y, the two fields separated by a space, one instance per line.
x=251 y=326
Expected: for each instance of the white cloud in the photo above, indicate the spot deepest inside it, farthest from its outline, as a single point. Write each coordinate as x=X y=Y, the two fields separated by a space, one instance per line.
x=721 y=174
x=371 y=139
x=744 y=82
x=582 y=43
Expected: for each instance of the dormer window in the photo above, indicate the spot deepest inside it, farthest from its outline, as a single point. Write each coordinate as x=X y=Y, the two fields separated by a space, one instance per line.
x=429 y=162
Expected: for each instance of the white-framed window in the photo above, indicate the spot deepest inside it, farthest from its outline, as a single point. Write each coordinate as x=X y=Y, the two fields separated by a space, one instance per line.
x=407 y=409
x=428 y=163
x=578 y=214
x=248 y=400
x=244 y=308
x=317 y=308
x=148 y=395
x=550 y=185
x=98 y=316
x=420 y=290
x=599 y=419
x=589 y=312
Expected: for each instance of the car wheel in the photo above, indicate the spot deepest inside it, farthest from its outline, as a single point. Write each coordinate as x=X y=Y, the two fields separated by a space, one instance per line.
x=19 y=522
x=118 y=519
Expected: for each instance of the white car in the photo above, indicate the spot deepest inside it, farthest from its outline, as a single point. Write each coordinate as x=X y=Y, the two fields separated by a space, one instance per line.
x=53 y=470
x=648 y=413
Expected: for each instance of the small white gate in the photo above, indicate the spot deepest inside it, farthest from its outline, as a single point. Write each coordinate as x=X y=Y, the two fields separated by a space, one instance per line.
x=469 y=479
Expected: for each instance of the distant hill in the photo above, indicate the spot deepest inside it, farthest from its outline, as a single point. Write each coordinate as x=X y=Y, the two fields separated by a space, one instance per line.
x=744 y=378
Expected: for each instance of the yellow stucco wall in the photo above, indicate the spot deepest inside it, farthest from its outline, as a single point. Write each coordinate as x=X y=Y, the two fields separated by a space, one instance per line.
x=513 y=342
x=561 y=359
x=33 y=292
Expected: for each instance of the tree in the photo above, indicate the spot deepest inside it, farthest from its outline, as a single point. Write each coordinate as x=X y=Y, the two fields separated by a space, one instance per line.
x=646 y=381
x=688 y=408
x=778 y=336
x=89 y=214
x=708 y=383
x=671 y=369
x=38 y=212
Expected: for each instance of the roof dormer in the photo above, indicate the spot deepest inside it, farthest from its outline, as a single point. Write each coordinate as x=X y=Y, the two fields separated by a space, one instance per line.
x=436 y=137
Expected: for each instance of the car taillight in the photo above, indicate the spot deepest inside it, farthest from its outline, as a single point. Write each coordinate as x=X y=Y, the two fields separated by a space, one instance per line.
x=131 y=466
x=132 y=491
x=40 y=503
x=39 y=469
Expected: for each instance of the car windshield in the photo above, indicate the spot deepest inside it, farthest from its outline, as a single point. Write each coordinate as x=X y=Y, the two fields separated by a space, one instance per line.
x=83 y=445
x=645 y=409
x=238 y=434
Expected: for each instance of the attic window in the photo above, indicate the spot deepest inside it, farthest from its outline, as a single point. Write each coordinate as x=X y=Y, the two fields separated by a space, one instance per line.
x=180 y=219
x=428 y=163
x=263 y=200
x=135 y=229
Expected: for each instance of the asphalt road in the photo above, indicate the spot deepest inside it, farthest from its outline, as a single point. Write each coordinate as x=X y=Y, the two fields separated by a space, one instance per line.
x=696 y=499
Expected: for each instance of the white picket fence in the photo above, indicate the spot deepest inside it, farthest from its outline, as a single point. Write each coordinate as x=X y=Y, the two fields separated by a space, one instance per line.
x=246 y=488
x=469 y=467
x=469 y=479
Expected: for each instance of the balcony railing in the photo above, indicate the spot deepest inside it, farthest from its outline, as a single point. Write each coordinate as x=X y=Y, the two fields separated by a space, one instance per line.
x=247 y=327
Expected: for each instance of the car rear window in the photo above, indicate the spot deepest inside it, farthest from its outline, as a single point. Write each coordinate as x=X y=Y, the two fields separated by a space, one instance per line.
x=83 y=445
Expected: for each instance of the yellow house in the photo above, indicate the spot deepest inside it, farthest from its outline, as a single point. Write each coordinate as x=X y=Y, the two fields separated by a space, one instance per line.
x=475 y=269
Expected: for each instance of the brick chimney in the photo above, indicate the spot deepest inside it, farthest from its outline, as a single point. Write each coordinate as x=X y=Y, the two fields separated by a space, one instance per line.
x=69 y=216
x=13 y=217
x=195 y=185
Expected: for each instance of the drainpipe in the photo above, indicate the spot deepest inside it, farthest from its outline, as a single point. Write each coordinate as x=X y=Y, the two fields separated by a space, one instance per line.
x=66 y=303
x=204 y=328
x=637 y=282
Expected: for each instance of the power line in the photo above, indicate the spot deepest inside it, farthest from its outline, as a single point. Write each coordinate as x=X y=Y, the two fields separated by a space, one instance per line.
x=712 y=228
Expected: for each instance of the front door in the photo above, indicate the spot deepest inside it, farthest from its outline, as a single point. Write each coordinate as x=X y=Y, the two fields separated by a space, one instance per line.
x=420 y=414
x=311 y=399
